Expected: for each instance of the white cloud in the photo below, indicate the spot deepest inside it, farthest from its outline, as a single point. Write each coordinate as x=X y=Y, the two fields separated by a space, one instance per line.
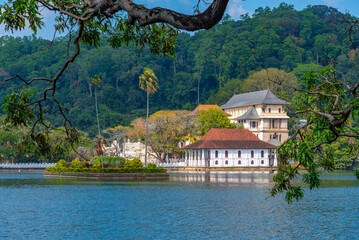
x=235 y=9
x=332 y=2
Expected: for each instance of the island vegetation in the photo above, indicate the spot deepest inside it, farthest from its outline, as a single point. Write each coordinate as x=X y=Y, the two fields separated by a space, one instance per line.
x=114 y=167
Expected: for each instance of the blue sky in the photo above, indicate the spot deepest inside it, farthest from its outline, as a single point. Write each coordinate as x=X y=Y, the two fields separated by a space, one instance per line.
x=235 y=9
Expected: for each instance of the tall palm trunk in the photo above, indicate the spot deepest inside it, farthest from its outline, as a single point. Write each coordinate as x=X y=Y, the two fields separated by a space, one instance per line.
x=98 y=120
x=148 y=109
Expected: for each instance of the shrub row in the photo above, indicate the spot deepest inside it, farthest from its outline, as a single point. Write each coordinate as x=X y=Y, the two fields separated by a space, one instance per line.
x=115 y=161
x=128 y=166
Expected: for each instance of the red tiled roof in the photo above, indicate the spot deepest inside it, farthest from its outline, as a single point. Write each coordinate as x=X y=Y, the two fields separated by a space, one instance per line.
x=230 y=139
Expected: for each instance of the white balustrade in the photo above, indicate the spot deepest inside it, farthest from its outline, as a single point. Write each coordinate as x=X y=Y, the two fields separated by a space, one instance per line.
x=26 y=165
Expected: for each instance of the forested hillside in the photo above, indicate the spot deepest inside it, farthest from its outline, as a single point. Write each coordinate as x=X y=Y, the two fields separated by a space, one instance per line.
x=214 y=62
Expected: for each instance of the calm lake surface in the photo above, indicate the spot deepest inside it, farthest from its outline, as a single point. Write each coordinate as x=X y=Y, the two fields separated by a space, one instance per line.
x=188 y=206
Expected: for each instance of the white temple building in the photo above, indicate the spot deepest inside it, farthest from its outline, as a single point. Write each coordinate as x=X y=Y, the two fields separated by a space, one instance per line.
x=261 y=112
x=230 y=148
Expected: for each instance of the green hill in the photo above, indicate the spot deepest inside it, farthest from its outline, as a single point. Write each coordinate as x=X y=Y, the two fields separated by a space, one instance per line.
x=217 y=60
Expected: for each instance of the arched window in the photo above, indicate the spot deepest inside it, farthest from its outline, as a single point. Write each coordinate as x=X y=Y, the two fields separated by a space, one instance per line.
x=279 y=110
x=262 y=162
x=252 y=162
x=262 y=153
x=216 y=162
x=239 y=162
x=239 y=154
x=216 y=154
x=226 y=154
x=269 y=110
x=226 y=162
x=252 y=154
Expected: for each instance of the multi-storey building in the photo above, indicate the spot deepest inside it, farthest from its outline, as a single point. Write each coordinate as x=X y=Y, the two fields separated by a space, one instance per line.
x=261 y=112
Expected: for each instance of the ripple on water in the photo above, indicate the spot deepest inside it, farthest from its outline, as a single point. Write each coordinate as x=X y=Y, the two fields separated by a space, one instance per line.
x=188 y=206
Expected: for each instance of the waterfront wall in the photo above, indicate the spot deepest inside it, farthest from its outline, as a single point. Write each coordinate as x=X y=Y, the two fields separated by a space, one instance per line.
x=123 y=176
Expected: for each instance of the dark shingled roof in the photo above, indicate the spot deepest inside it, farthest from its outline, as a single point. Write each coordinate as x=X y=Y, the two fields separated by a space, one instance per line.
x=275 y=142
x=250 y=114
x=252 y=98
x=229 y=139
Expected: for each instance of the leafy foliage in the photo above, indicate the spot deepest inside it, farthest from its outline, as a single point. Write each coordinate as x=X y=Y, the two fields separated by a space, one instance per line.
x=328 y=104
x=76 y=164
x=17 y=108
x=135 y=163
x=113 y=161
x=213 y=118
x=61 y=163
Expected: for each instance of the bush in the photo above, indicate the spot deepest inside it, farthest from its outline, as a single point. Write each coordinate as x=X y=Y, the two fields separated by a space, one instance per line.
x=111 y=161
x=61 y=163
x=86 y=164
x=76 y=164
x=96 y=165
x=151 y=166
x=135 y=163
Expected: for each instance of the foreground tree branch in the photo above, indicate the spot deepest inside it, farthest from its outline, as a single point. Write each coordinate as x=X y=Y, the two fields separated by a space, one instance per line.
x=124 y=20
x=329 y=104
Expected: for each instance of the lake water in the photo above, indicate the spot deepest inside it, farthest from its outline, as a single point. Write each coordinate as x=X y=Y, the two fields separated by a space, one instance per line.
x=188 y=206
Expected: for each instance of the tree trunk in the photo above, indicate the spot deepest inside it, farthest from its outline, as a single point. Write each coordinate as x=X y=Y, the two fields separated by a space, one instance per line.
x=98 y=121
x=148 y=108
x=199 y=80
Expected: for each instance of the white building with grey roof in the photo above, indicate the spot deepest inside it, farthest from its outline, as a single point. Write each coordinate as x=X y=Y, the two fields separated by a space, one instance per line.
x=261 y=112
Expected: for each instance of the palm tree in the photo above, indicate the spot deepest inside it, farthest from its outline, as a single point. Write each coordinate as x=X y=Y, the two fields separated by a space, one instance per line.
x=148 y=83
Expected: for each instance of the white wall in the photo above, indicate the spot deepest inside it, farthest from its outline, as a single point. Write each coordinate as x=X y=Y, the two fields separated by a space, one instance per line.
x=232 y=160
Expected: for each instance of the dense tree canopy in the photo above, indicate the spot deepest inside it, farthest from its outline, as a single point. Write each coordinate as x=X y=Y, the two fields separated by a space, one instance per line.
x=220 y=53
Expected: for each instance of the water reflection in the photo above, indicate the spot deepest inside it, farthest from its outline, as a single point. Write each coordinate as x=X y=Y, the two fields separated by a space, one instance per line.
x=222 y=177
x=187 y=206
